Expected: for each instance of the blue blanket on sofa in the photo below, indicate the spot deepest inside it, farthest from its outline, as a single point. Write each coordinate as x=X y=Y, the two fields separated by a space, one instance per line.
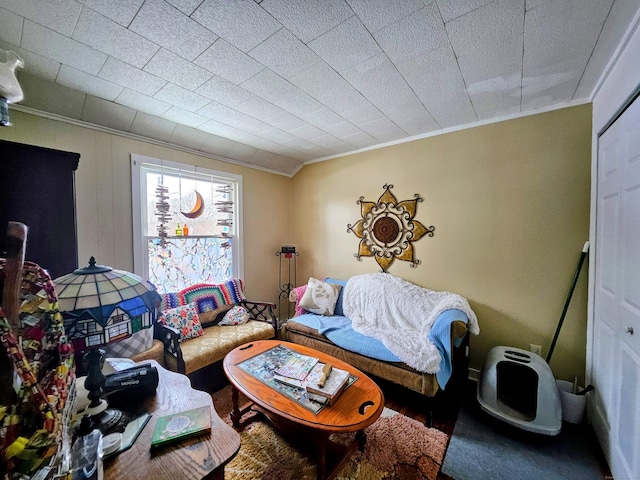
x=338 y=329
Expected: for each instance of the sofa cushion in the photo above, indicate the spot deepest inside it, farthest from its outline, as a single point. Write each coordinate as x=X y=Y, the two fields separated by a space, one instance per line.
x=217 y=342
x=320 y=297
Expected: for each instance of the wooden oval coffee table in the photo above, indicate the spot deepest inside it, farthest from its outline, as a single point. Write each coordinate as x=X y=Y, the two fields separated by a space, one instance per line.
x=356 y=408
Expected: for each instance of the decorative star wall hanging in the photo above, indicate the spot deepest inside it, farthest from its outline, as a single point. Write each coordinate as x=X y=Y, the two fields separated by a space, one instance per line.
x=387 y=229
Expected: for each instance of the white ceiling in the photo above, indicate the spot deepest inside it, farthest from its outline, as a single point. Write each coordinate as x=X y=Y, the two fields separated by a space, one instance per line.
x=275 y=83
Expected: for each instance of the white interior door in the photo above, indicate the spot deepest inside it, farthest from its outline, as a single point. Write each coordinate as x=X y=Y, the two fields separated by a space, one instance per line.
x=616 y=339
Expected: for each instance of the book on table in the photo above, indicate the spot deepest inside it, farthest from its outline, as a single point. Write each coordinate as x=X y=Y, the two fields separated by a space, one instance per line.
x=334 y=385
x=297 y=366
x=181 y=425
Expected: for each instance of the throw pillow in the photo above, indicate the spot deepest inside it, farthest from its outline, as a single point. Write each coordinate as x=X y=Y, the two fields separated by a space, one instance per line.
x=342 y=283
x=236 y=316
x=320 y=297
x=184 y=319
x=296 y=296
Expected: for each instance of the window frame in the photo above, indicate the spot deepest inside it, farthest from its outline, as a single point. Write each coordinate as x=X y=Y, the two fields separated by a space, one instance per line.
x=138 y=185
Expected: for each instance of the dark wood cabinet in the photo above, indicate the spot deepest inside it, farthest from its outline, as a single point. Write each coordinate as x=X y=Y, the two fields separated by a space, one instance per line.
x=37 y=188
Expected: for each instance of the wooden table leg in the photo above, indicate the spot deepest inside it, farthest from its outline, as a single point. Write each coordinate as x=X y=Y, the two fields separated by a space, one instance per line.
x=235 y=412
x=322 y=457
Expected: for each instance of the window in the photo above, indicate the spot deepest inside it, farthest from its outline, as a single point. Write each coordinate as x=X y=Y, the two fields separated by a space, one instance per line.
x=189 y=231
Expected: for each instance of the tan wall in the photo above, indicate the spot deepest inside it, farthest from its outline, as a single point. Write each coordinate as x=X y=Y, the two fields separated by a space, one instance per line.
x=103 y=197
x=510 y=203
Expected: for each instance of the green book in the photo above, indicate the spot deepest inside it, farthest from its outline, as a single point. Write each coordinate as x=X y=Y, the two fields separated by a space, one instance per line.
x=181 y=425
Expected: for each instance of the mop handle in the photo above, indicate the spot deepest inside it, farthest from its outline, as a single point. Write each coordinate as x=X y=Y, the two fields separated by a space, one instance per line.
x=585 y=250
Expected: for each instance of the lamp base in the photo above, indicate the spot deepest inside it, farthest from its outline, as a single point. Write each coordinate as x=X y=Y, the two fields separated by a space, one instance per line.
x=101 y=407
x=109 y=420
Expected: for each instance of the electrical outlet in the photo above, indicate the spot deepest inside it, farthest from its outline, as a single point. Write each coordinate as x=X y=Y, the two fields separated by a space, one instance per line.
x=537 y=349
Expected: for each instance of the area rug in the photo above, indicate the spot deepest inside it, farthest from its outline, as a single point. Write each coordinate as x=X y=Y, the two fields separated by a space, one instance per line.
x=483 y=447
x=397 y=447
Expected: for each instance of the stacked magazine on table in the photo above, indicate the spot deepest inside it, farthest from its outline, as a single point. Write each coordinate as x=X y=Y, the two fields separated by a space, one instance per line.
x=307 y=373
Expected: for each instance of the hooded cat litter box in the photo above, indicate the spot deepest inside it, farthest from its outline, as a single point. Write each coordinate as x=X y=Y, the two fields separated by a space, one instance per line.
x=518 y=387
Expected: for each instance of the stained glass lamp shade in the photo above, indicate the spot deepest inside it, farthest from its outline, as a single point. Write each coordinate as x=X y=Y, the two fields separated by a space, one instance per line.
x=102 y=305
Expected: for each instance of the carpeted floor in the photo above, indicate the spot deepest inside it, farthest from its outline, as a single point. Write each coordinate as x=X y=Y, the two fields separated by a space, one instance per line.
x=397 y=447
x=482 y=447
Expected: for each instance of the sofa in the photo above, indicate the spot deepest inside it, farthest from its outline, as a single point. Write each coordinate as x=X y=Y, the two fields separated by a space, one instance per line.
x=189 y=349
x=334 y=334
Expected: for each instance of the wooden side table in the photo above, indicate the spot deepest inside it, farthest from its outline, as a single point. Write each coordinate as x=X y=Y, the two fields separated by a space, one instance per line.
x=202 y=457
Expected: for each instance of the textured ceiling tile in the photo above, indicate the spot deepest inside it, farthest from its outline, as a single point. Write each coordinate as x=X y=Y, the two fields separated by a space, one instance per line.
x=175 y=69
x=259 y=108
x=184 y=117
x=170 y=28
x=275 y=162
x=188 y=137
x=365 y=113
x=321 y=118
x=35 y=64
x=434 y=75
x=360 y=140
x=276 y=135
x=329 y=142
x=62 y=49
x=142 y=102
x=327 y=86
x=107 y=114
x=131 y=77
x=113 y=39
x=227 y=61
x=309 y=133
x=503 y=60
x=450 y=9
x=285 y=121
x=284 y=53
x=346 y=45
x=10 y=27
x=51 y=97
x=608 y=40
x=487 y=26
x=413 y=35
x=180 y=97
x=380 y=82
x=185 y=6
x=72 y=78
x=152 y=127
x=229 y=116
x=383 y=129
x=58 y=15
x=224 y=147
x=308 y=19
x=546 y=26
x=490 y=100
x=501 y=112
x=342 y=129
x=223 y=91
x=412 y=117
x=549 y=83
x=377 y=14
x=120 y=11
x=456 y=109
x=278 y=91
x=243 y=24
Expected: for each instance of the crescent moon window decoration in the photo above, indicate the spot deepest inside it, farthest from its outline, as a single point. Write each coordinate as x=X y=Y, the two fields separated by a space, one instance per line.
x=388 y=229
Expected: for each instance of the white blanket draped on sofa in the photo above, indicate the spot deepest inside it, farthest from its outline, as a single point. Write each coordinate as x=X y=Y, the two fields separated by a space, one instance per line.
x=400 y=314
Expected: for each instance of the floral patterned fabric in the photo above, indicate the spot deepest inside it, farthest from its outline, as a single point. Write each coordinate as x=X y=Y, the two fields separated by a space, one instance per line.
x=236 y=316
x=184 y=319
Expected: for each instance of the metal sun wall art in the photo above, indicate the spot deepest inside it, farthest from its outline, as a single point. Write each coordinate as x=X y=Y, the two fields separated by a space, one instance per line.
x=387 y=229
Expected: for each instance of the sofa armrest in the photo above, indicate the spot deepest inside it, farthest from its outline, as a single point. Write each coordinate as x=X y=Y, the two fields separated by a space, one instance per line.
x=170 y=338
x=263 y=312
